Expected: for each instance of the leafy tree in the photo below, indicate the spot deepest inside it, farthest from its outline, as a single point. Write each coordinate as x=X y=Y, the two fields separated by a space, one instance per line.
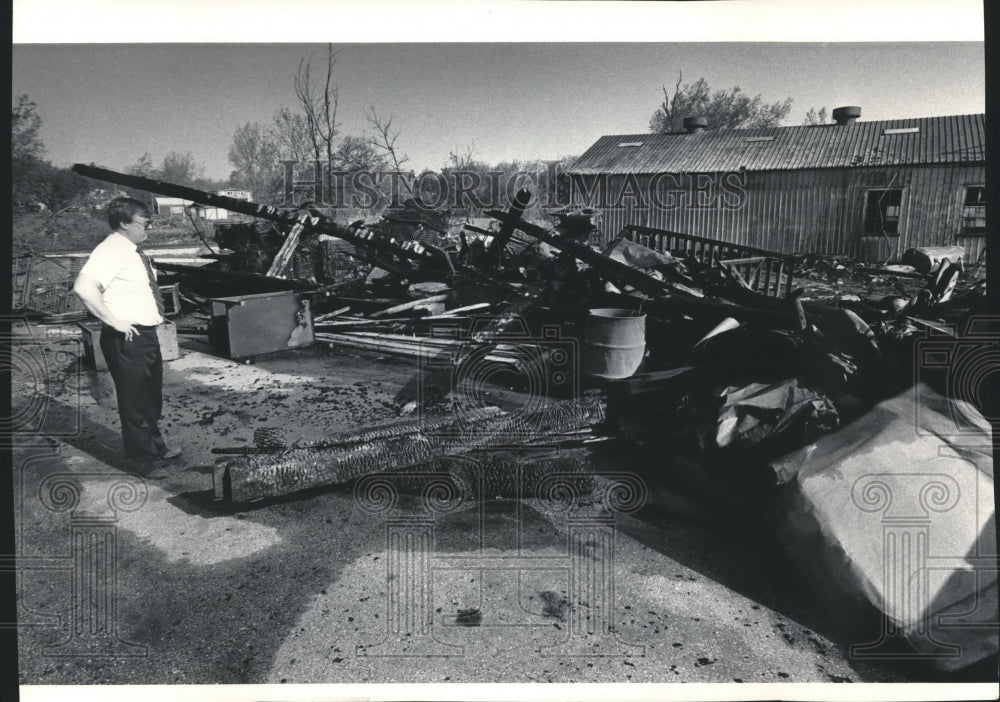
x=181 y=169
x=27 y=173
x=258 y=150
x=724 y=109
x=256 y=156
x=143 y=167
x=61 y=188
x=814 y=117
x=25 y=124
x=291 y=130
x=34 y=181
x=356 y=153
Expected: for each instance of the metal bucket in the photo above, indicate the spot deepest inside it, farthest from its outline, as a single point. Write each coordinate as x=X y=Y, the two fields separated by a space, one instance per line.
x=614 y=343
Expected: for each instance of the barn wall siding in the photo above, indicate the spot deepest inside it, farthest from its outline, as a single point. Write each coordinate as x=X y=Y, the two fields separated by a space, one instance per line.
x=808 y=211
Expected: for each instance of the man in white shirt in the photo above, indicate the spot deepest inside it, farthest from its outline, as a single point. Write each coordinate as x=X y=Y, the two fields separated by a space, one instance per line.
x=118 y=286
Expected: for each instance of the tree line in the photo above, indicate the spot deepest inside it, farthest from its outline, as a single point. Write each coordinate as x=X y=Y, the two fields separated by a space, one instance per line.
x=310 y=132
x=730 y=108
x=38 y=185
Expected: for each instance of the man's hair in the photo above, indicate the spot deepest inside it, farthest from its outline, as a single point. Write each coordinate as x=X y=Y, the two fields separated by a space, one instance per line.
x=123 y=210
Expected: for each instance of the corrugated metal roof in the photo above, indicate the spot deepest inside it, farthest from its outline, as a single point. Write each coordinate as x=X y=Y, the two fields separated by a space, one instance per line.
x=952 y=139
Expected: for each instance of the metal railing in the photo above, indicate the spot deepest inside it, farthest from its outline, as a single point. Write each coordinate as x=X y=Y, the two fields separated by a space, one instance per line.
x=766 y=272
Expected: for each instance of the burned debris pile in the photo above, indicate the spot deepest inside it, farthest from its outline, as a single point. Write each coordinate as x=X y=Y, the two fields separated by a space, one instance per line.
x=705 y=349
x=745 y=376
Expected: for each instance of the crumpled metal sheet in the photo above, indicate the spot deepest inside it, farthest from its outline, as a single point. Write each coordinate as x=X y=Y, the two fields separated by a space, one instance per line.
x=754 y=412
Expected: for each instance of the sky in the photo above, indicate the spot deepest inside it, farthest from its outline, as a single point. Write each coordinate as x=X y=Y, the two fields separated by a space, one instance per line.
x=108 y=102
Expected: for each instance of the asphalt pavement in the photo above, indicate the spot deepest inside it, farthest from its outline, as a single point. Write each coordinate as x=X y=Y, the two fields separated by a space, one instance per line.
x=126 y=580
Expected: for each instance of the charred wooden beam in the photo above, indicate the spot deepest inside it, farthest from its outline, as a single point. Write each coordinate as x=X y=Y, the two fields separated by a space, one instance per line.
x=357 y=234
x=615 y=270
x=409 y=305
x=258 y=283
x=511 y=219
x=251 y=477
x=667 y=297
x=383 y=431
x=284 y=255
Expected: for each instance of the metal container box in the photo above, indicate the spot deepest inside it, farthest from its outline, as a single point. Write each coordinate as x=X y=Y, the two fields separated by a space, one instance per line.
x=171 y=299
x=251 y=325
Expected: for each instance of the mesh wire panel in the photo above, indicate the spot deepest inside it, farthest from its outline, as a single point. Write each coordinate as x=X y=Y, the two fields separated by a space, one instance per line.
x=20 y=277
x=339 y=260
x=54 y=299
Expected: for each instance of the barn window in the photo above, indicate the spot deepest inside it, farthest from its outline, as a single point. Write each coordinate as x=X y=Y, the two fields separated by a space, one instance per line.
x=882 y=211
x=974 y=209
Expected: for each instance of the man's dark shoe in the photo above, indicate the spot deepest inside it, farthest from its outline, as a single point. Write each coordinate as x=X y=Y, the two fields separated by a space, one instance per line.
x=153 y=468
x=155 y=471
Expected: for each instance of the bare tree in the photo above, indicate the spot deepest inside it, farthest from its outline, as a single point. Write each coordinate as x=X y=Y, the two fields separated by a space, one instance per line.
x=319 y=98
x=319 y=103
x=668 y=113
x=384 y=143
x=464 y=159
x=384 y=139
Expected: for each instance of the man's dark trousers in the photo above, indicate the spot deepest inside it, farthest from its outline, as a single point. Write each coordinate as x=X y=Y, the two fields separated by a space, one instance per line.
x=137 y=369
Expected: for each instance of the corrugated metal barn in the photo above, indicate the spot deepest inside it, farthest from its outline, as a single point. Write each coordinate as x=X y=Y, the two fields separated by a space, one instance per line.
x=869 y=190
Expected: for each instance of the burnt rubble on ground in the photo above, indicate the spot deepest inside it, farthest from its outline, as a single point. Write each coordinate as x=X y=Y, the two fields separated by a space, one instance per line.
x=738 y=375
x=745 y=353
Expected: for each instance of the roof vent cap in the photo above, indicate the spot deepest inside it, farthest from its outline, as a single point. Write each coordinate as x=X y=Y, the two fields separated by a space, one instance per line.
x=695 y=124
x=846 y=115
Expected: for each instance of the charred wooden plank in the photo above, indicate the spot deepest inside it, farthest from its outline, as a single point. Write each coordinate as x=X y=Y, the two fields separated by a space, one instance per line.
x=409 y=305
x=253 y=281
x=284 y=255
x=360 y=236
x=619 y=273
x=245 y=478
x=511 y=219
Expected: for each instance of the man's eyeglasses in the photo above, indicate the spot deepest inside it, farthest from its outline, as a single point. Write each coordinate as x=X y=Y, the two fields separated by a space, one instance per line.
x=146 y=224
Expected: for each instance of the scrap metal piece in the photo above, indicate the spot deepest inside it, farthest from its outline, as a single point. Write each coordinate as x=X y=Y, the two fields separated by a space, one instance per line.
x=250 y=325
